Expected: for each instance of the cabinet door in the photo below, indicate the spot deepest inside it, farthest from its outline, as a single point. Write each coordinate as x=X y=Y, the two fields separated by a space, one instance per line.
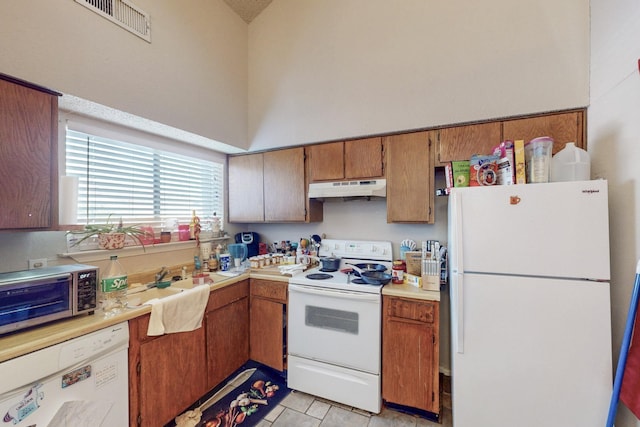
x=410 y=177
x=172 y=376
x=227 y=340
x=410 y=353
x=461 y=142
x=267 y=332
x=285 y=192
x=363 y=158
x=562 y=127
x=28 y=158
x=246 y=196
x=326 y=161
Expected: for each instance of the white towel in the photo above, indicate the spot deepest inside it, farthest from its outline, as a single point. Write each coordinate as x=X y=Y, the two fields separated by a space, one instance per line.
x=181 y=312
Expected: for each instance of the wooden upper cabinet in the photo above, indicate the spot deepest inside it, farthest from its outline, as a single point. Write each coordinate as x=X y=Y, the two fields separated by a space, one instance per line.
x=562 y=127
x=28 y=156
x=354 y=159
x=285 y=192
x=246 y=195
x=326 y=161
x=410 y=177
x=271 y=187
x=363 y=158
x=461 y=142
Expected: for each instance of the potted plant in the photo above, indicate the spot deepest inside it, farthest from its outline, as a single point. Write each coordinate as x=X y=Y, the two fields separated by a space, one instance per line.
x=111 y=235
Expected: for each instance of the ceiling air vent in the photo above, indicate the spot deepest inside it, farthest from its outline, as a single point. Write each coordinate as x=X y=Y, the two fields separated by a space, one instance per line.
x=123 y=13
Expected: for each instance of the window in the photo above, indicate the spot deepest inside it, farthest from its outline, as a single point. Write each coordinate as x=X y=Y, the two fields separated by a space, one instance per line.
x=141 y=184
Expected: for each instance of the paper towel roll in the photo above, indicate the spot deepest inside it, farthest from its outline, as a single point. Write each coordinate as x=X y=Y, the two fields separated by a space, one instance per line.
x=68 y=200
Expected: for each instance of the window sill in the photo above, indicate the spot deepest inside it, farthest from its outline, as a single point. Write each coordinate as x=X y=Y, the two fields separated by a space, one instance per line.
x=103 y=254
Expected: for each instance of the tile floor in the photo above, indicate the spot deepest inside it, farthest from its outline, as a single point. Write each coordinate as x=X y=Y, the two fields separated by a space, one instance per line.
x=303 y=410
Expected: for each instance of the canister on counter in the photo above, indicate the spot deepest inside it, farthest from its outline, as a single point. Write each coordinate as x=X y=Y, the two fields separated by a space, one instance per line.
x=397 y=271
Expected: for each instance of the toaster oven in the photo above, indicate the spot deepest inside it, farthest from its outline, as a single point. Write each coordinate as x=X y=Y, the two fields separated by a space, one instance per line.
x=33 y=297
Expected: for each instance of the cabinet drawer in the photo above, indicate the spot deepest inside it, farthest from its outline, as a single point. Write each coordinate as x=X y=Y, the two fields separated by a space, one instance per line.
x=227 y=295
x=269 y=289
x=419 y=311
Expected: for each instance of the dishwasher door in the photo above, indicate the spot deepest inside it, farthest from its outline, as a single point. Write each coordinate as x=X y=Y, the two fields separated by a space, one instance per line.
x=80 y=382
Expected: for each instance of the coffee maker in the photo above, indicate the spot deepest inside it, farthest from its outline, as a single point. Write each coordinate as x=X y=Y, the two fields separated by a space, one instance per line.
x=251 y=239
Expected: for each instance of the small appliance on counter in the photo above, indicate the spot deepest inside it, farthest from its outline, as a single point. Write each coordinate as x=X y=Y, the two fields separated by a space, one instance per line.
x=251 y=239
x=33 y=297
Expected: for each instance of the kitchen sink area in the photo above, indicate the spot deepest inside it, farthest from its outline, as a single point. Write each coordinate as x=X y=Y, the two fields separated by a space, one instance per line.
x=137 y=297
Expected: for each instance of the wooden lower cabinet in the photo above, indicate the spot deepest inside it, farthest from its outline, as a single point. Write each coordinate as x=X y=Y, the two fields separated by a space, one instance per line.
x=410 y=353
x=227 y=331
x=268 y=323
x=167 y=373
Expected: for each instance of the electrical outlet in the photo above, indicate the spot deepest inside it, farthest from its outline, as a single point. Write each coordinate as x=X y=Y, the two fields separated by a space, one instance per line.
x=37 y=263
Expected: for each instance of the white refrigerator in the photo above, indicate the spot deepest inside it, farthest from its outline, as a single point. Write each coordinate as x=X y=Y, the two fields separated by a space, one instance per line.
x=530 y=305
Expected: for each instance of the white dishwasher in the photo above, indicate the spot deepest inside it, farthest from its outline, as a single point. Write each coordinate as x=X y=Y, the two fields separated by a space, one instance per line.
x=80 y=382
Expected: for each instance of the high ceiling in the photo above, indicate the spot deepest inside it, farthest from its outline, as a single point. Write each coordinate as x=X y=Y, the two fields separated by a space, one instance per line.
x=248 y=9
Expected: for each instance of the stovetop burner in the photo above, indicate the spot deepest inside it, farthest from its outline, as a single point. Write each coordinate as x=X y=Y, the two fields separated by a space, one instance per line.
x=349 y=252
x=319 y=276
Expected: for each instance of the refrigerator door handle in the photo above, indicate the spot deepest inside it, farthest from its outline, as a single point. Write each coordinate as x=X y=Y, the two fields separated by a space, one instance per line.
x=458 y=270
x=457 y=206
x=460 y=314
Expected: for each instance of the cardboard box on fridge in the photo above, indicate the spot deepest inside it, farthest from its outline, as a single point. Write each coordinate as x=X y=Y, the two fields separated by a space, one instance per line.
x=460 y=169
x=518 y=151
x=413 y=260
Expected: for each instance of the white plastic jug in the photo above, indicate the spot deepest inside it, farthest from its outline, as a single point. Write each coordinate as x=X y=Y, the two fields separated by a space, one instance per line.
x=570 y=164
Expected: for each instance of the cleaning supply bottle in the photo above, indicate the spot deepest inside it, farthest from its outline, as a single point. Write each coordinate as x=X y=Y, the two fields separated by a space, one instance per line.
x=113 y=288
x=570 y=164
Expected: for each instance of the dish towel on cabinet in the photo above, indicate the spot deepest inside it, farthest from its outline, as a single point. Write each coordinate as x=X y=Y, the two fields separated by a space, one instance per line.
x=181 y=312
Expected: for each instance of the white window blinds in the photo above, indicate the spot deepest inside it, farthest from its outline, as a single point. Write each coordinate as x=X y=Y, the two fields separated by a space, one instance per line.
x=139 y=184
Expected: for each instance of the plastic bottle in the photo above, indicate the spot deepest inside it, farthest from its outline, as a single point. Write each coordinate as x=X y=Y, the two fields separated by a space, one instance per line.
x=113 y=288
x=570 y=164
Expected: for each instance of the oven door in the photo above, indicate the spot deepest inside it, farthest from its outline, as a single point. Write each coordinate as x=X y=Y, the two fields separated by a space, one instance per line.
x=34 y=302
x=335 y=326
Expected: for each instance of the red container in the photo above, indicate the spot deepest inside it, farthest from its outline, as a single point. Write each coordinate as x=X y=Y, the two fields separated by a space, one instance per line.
x=183 y=232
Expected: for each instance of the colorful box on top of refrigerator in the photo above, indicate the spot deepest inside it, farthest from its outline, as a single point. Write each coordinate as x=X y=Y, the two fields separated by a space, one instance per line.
x=518 y=152
x=460 y=169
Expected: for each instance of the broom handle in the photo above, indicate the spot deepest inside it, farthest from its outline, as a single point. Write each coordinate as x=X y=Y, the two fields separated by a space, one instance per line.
x=624 y=349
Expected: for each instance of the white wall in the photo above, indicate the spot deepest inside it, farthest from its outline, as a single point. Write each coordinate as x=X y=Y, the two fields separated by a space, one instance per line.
x=332 y=69
x=613 y=138
x=192 y=76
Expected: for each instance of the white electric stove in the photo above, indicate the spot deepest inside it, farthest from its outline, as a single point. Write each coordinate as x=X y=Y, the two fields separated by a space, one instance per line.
x=349 y=252
x=334 y=327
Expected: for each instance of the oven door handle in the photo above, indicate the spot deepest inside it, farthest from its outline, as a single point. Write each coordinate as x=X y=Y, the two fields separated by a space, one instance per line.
x=359 y=296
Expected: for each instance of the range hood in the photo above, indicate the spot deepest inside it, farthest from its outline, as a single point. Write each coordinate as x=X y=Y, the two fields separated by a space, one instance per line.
x=362 y=188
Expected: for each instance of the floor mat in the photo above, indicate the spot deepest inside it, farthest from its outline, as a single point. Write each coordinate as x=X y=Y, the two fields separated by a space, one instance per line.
x=245 y=399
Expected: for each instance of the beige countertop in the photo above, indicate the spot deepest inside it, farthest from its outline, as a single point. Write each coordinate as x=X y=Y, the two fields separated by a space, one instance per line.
x=408 y=291
x=36 y=338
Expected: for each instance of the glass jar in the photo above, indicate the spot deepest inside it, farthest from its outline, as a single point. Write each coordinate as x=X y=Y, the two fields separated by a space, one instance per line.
x=397 y=271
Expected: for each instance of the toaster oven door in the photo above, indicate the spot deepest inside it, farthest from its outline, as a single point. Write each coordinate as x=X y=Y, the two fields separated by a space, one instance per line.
x=34 y=302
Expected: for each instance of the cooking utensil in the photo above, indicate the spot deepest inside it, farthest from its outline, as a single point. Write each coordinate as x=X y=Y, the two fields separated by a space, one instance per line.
x=368 y=266
x=375 y=277
x=330 y=263
x=316 y=241
x=372 y=276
